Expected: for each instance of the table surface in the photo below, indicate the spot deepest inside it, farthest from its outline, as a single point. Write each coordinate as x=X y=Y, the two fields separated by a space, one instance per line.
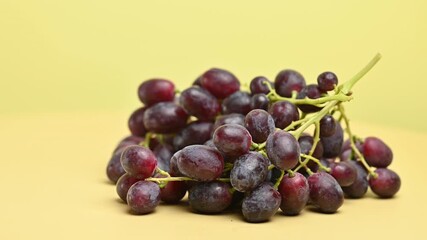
x=54 y=187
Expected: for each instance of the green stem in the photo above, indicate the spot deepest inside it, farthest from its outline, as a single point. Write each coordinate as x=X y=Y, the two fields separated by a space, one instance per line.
x=295 y=123
x=147 y=139
x=169 y=179
x=282 y=173
x=162 y=172
x=316 y=102
x=316 y=161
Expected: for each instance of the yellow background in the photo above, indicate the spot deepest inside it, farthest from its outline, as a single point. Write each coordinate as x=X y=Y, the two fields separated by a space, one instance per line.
x=68 y=77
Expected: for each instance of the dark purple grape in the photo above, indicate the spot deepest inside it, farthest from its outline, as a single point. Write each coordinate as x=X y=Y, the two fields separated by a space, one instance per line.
x=283 y=113
x=327 y=81
x=295 y=193
x=163 y=153
x=249 y=171
x=123 y=185
x=173 y=165
x=260 y=101
x=210 y=197
x=139 y=161
x=221 y=83
x=136 y=123
x=327 y=126
x=237 y=200
x=325 y=192
x=332 y=145
x=210 y=143
x=238 y=102
x=261 y=204
x=312 y=92
x=156 y=90
x=233 y=118
x=344 y=172
x=259 y=124
x=197 y=82
x=232 y=140
x=347 y=152
x=386 y=184
x=114 y=168
x=283 y=150
x=200 y=103
x=259 y=85
x=165 y=117
x=287 y=81
x=126 y=142
x=306 y=143
x=200 y=162
x=143 y=197
x=195 y=133
x=173 y=191
x=377 y=153
x=360 y=185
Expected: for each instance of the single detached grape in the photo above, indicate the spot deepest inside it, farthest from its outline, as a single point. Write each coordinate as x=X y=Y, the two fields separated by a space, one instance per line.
x=163 y=153
x=386 y=184
x=288 y=81
x=143 y=197
x=327 y=81
x=259 y=85
x=232 y=140
x=123 y=185
x=200 y=103
x=261 y=204
x=156 y=90
x=210 y=197
x=221 y=83
x=195 y=133
x=234 y=118
x=139 y=161
x=249 y=171
x=259 y=124
x=200 y=162
x=283 y=150
x=136 y=122
x=295 y=193
x=238 y=102
x=327 y=126
x=332 y=144
x=325 y=192
x=377 y=153
x=360 y=184
x=260 y=101
x=165 y=117
x=312 y=92
x=344 y=172
x=283 y=113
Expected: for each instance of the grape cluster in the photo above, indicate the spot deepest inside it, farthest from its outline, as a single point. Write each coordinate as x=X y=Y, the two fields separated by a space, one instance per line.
x=230 y=148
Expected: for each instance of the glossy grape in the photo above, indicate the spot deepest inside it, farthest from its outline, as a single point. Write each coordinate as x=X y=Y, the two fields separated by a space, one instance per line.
x=238 y=102
x=332 y=145
x=386 y=184
x=325 y=192
x=163 y=153
x=210 y=197
x=194 y=133
x=283 y=113
x=261 y=204
x=173 y=165
x=283 y=150
x=123 y=185
x=287 y=81
x=259 y=101
x=249 y=171
x=259 y=85
x=138 y=161
x=327 y=81
x=200 y=103
x=360 y=184
x=143 y=197
x=165 y=117
x=312 y=92
x=327 y=126
x=200 y=162
x=114 y=168
x=136 y=122
x=295 y=193
x=377 y=153
x=156 y=90
x=344 y=172
x=232 y=140
x=221 y=83
x=260 y=124
x=234 y=118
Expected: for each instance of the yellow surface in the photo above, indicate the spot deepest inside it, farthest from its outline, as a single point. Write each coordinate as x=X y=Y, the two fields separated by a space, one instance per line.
x=68 y=77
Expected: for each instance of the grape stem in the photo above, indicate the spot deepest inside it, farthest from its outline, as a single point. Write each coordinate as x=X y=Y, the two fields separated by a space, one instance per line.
x=353 y=145
x=169 y=179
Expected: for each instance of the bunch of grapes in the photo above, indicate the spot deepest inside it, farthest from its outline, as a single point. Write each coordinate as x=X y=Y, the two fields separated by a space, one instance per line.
x=279 y=145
